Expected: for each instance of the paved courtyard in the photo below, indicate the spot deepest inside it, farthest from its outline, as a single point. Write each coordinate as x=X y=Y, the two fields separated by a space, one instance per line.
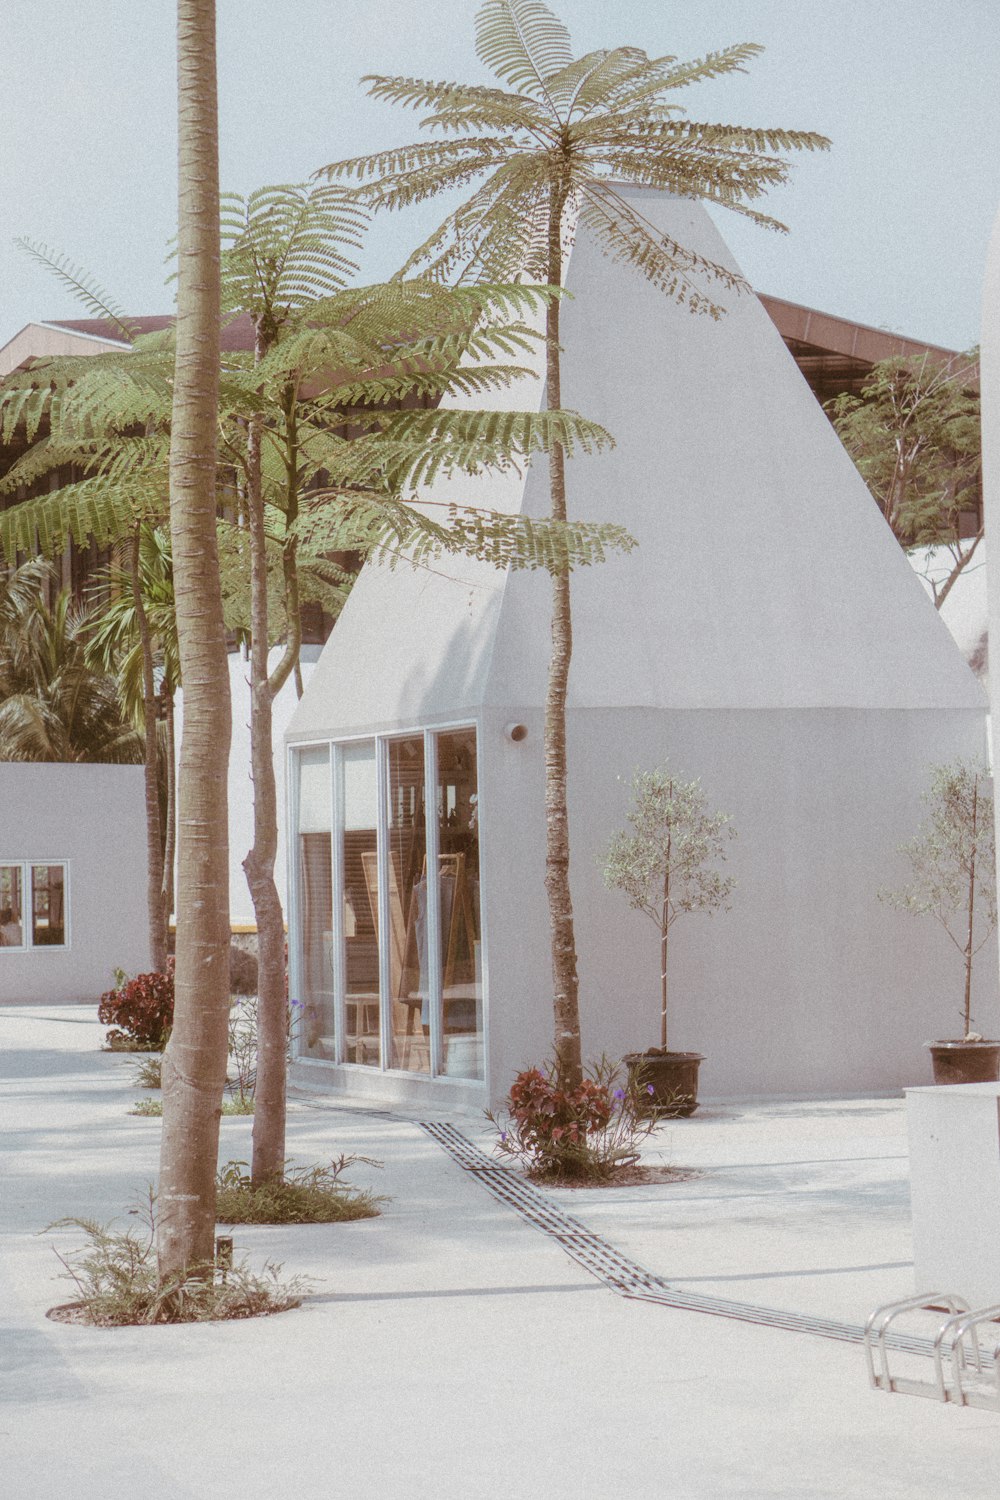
x=451 y=1349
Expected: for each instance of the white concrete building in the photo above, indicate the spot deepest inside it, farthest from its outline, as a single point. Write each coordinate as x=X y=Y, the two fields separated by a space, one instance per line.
x=72 y=880
x=768 y=636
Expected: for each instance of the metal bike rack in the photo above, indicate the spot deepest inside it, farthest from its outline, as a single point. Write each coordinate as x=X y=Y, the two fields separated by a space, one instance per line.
x=962 y=1372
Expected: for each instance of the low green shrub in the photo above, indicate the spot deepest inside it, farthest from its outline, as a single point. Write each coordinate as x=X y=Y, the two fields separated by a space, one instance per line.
x=115 y=1277
x=305 y=1195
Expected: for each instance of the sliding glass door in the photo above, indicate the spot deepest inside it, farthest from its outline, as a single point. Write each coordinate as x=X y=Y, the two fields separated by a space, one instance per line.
x=389 y=960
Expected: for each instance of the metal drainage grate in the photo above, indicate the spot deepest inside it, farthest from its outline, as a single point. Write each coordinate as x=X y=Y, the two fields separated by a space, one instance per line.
x=619 y=1273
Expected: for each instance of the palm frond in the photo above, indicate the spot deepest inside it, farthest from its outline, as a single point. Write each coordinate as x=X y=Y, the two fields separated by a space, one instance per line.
x=83 y=287
x=523 y=43
x=676 y=271
x=89 y=510
x=388 y=529
x=457 y=106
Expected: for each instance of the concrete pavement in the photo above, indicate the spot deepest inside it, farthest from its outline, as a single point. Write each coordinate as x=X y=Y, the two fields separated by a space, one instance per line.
x=450 y=1350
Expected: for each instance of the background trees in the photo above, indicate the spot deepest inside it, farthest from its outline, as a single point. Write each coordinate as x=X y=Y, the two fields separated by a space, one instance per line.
x=914 y=433
x=54 y=706
x=551 y=153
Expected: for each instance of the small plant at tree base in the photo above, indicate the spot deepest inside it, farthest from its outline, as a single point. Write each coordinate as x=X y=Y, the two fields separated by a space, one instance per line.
x=665 y=867
x=116 y=1281
x=148 y=1073
x=304 y=1195
x=243 y=1031
x=140 y=1011
x=149 y=1108
x=582 y=1133
x=953 y=864
x=154 y=1107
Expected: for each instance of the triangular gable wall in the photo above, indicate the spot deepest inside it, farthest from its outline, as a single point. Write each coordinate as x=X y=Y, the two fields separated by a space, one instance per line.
x=764 y=576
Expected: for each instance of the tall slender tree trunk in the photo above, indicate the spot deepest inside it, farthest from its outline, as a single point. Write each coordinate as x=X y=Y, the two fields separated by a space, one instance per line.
x=154 y=833
x=170 y=839
x=272 y=1006
x=566 y=1007
x=967 y=1004
x=195 y=1061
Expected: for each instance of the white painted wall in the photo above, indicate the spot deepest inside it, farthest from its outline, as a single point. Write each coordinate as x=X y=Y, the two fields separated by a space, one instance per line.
x=768 y=635
x=93 y=818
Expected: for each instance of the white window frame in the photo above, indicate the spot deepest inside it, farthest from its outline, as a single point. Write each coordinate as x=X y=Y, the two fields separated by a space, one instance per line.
x=27 y=945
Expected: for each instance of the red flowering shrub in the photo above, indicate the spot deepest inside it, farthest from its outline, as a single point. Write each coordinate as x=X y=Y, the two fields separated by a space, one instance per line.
x=584 y=1132
x=140 y=1011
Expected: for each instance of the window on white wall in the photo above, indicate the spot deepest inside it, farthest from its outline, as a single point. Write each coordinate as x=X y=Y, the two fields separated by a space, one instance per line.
x=32 y=905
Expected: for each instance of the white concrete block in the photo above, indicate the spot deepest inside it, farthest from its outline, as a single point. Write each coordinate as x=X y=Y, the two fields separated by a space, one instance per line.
x=954 y=1136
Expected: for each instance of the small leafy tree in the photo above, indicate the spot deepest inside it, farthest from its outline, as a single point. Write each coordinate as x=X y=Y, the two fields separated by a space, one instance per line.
x=914 y=433
x=666 y=865
x=953 y=865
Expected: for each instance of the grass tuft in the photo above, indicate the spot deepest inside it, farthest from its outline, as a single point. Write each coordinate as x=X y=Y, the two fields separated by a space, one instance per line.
x=115 y=1276
x=305 y=1195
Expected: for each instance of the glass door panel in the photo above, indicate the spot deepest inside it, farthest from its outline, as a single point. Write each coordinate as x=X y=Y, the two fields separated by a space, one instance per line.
x=360 y=904
x=315 y=894
x=461 y=943
x=406 y=874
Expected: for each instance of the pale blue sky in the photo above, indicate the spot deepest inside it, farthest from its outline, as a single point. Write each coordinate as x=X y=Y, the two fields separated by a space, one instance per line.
x=889 y=228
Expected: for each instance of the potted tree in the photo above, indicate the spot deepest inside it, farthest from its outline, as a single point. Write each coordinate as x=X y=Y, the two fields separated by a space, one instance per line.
x=953 y=864
x=666 y=867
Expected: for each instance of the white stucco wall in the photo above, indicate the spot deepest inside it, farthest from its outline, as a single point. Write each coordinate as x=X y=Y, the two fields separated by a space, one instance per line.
x=92 y=818
x=768 y=635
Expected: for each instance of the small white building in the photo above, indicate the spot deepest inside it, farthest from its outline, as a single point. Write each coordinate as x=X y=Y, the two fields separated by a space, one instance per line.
x=767 y=635
x=72 y=880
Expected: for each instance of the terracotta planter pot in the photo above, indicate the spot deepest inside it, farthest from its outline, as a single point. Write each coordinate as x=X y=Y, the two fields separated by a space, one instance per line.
x=965 y=1062
x=673 y=1077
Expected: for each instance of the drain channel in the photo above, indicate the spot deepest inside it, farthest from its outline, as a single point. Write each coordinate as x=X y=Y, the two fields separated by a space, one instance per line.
x=617 y=1271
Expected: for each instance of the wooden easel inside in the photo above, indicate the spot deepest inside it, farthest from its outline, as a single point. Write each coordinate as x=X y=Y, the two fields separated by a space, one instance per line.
x=405 y=965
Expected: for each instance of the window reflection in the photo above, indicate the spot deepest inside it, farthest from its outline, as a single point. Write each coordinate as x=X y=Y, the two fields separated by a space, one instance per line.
x=48 y=906
x=11 y=907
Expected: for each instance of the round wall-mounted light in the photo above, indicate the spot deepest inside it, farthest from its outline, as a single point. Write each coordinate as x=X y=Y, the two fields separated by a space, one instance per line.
x=516 y=732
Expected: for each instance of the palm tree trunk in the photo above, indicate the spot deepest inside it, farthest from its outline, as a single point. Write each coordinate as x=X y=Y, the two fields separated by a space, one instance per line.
x=566 y=1008
x=195 y=1061
x=154 y=832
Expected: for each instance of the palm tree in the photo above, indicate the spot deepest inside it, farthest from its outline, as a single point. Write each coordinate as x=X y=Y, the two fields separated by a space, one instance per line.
x=552 y=153
x=194 y=1065
x=53 y=705
x=135 y=637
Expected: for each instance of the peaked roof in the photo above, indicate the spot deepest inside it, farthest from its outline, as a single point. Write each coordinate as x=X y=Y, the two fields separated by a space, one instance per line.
x=764 y=576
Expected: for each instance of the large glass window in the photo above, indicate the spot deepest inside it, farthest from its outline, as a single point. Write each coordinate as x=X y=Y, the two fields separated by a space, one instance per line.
x=389 y=961
x=33 y=906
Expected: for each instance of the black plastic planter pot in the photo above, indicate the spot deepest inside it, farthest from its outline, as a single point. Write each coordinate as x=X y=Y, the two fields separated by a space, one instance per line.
x=673 y=1077
x=965 y=1062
